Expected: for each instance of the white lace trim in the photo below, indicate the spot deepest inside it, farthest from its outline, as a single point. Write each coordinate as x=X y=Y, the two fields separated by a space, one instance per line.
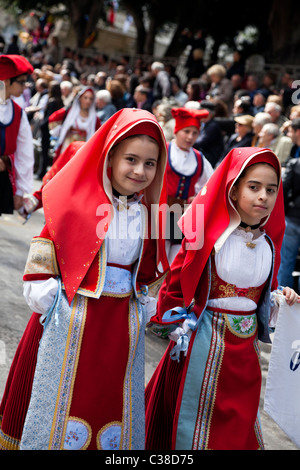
x=248 y=236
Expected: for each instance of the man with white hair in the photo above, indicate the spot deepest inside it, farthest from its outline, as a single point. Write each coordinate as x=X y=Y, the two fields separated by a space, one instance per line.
x=259 y=120
x=105 y=108
x=67 y=95
x=270 y=137
x=162 y=84
x=275 y=112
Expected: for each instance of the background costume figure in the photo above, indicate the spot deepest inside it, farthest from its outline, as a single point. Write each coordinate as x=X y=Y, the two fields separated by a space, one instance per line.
x=187 y=169
x=79 y=122
x=205 y=392
x=16 y=147
x=93 y=295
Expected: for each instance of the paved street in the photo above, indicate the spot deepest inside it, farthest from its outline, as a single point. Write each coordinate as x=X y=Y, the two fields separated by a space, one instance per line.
x=14 y=313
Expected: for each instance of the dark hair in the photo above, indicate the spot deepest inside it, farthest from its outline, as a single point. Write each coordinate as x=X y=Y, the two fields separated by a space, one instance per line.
x=244 y=172
x=295 y=124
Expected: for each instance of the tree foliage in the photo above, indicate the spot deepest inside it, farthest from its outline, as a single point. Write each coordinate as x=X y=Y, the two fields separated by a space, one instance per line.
x=276 y=21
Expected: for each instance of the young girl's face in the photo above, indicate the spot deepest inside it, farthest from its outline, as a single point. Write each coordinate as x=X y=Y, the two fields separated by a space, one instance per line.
x=186 y=137
x=255 y=193
x=133 y=164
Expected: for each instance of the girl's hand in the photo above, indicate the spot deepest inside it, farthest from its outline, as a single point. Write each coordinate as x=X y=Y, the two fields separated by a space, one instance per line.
x=291 y=296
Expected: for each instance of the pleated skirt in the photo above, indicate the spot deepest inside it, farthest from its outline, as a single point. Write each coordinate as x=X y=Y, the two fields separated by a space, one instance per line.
x=78 y=382
x=210 y=399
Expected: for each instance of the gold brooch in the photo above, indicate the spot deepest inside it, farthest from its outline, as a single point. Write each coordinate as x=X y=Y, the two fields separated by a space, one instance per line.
x=251 y=245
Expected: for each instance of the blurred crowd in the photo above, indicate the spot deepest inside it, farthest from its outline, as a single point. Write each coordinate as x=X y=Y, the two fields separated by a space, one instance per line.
x=245 y=109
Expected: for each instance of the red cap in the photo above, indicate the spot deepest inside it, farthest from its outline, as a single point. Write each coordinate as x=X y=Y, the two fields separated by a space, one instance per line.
x=185 y=117
x=14 y=65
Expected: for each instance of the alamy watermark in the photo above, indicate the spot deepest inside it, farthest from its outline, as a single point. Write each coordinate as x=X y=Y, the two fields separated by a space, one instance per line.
x=296 y=94
x=129 y=223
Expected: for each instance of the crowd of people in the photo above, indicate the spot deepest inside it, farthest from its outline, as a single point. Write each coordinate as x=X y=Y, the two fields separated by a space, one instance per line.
x=130 y=137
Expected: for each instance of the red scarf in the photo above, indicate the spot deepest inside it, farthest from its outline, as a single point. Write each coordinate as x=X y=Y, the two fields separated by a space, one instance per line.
x=72 y=197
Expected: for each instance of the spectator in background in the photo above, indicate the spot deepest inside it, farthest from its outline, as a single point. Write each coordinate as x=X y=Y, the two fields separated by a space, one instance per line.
x=55 y=103
x=275 y=111
x=242 y=106
x=259 y=120
x=194 y=61
x=291 y=240
x=117 y=91
x=13 y=47
x=194 y=90
x=243 y=133
x=259 y=101
x=163 y=114
x=252 y=85
x=294 y=135
x=286 y=91
x=39 y=100
x=162 y=84
x=141 y=98
x=52 y=51
x=100 y=80
x=294 y=113
x=36 y=109
x=221 y=87
x=105 y=108
x=210 y=140
x=67 y=93
x=178 y=93
x=269 y=82
x=237 y=82
x=238 y=65
x=270 y=137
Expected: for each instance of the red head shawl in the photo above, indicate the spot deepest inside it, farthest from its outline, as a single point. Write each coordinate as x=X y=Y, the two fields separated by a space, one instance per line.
x=212 y=217
x=72 y=198
x=185 y=117
x=13 y=65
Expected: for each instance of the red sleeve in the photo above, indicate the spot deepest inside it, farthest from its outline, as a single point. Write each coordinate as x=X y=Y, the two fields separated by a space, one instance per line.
x=98 y=123
x=58 y=115
x=170 y=294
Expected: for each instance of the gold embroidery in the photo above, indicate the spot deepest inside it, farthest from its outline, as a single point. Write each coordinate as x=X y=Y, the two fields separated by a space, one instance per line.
x=228 y=290
x=253 y=293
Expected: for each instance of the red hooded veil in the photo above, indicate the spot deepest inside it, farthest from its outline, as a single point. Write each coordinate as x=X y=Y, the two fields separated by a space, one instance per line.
x=208 y=222
x=72 y=198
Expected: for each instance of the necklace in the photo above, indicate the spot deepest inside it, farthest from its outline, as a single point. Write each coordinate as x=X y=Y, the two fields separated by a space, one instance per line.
x=118 y=195
x=249 y=227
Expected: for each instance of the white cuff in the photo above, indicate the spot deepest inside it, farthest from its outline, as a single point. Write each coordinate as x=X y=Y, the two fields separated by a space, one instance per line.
x=40 y=295
x=150 y=306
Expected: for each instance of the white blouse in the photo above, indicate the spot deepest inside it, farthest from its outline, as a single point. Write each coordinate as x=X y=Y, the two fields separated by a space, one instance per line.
x=186 y=164
x=239 y=264
x=124 y=236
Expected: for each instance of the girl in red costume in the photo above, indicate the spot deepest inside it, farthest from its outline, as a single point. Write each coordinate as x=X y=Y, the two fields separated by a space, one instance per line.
x=205 y=392
x=79 y=122
x=187 y=169
x=91 y=279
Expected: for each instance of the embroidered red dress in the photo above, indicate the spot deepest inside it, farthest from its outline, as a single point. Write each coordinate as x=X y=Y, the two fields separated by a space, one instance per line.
x=77 y=382
x=209 y=398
